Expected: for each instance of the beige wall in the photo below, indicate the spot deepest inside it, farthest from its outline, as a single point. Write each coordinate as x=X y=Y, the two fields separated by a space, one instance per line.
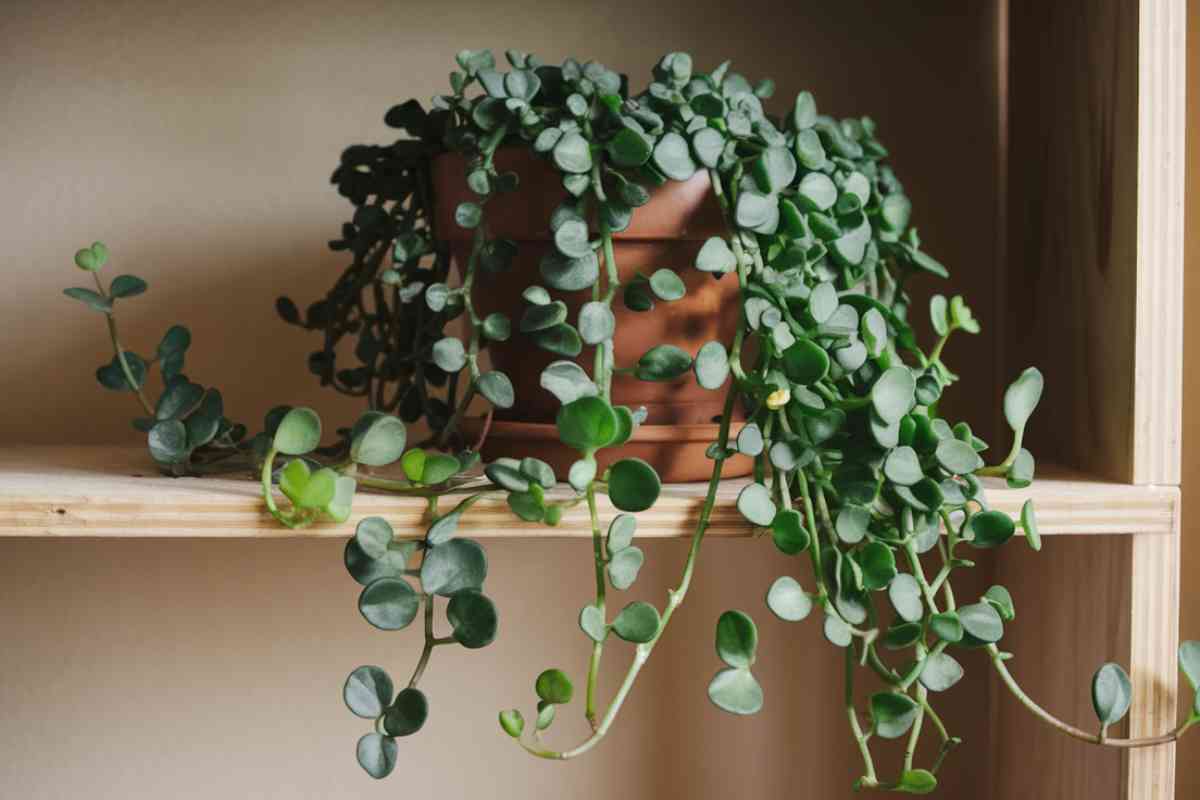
x=197 y=139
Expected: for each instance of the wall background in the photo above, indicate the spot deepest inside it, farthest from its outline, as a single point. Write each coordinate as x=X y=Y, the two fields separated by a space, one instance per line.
x=197 y=139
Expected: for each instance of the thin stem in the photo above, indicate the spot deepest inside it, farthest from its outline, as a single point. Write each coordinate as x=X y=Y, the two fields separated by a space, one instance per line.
x=110 y=318
x=1071 y=730
x=601 y=588
x=674 y=598
x=430 y=642
x=869 y=779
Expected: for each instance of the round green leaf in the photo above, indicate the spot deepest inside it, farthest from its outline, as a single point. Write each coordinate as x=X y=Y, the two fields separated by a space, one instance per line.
x=755 y=503
x=377 y=754
x=497 y=327
x=940 y=672
x=664 y=362
x=407 y=713
x=708 y=144
x=905 y=594
x=991 y=528
x=823 y=302
x=878 y=565
x=572 y=154
x=570 y=274
x=736 y=691
x=1020 y=473
x=413 y=464
x=571 y=239
x=299 y=432
x=473 y=618
x=553 y=686
x=737 y=639
x=673 y=157
x=982 y=622
x=892 y=713
x=903 y=467
x=468 y=215
x=1021 y=398
x=373 y=534
x=591 y=622
x=168 y=442
x=750 y=440
x=620 y=532
x=1000 y=599
x=836 y=631
x=916 y=781
x=543 y=317
x=581 y=473
x=1029 y=525
x=629 y=148
x=715 y=256
x=947 y=626
x=567 y=381
x=452 y=566
x=596 y=322
x=1111 y=693
x=711 y=366
x=892 y=394
x=389 y=604
x=439 y=468
x=852 y=524
x=180 y=397
x=805 y=362
x=587 y=424
x=497 y=388
x=366 y=570
x=957 y=457
x=377 y=439
x=623 y=567
x=93 y=300
x=667 y=285
x=126 y=286
x=774 y=169
x=368 y=691
x=538 y=471
x=788 y=533
x=816 y=192
x=512 y=722
x=787 y=600
x=449 y=354
x=638 y=622
x=757 y=212
x=903 y=635
x=633 y=485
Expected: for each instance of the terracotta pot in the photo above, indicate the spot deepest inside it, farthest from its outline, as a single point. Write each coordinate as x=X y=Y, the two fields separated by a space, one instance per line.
x=666 y=232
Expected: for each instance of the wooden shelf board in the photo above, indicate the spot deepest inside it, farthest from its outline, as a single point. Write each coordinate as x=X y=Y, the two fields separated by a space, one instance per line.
x=116 y=491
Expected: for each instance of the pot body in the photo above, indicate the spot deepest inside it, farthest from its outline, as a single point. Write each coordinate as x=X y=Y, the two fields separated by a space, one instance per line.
x=668 y=231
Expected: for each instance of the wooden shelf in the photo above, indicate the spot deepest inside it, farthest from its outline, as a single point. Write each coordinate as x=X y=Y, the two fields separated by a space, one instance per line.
x=116 y=491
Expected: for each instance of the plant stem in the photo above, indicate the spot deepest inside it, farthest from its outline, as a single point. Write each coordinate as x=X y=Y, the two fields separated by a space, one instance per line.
x=674 y=598
x=430 y=642
x=1071 y=730
x=601 y=588
x=869 y=779
x=110 y=318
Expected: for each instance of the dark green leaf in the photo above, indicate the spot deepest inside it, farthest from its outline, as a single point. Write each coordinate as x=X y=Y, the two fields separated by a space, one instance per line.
x=389 y=604
x=638 y=622
x=473 y=618
x=664 y=362
x=892 y=713
x=452 y=566
x=737 y=639
x=407 y=713
x=368 y=691
x=553 y=686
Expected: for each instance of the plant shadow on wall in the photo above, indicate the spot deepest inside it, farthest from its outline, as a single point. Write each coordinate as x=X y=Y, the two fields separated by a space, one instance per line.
x=853 y=470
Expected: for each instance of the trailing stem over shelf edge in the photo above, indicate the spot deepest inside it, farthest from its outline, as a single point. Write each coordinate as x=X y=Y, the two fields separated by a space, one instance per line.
x=116 y=491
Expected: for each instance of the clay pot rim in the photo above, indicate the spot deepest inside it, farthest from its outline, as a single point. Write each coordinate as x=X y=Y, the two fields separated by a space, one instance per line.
x=542 y=431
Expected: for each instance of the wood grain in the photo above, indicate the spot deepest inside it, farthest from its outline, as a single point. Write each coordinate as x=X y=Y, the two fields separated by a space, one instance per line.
x=99 y=491
x=1161 y=176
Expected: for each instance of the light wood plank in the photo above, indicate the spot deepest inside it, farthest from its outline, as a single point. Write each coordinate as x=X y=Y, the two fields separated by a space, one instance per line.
x=1161 y=175
x=98 y=491
x=1154 y=641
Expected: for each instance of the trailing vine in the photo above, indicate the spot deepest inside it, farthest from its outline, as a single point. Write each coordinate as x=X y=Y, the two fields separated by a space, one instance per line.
x=856 y=474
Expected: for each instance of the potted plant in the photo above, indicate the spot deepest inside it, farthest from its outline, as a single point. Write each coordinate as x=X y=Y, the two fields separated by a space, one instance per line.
x=589 y=209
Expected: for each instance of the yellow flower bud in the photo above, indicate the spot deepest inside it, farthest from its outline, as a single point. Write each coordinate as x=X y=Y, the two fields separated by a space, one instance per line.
x=778 y=399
